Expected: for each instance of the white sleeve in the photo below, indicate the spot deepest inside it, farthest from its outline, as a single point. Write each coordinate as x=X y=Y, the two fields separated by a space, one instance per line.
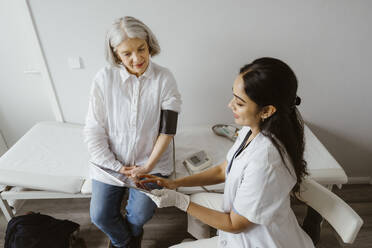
x=263 y=192
x=170 y=98
x=95 y=135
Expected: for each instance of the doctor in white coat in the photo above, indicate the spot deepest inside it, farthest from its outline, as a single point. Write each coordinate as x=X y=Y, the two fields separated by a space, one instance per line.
x=262 y=170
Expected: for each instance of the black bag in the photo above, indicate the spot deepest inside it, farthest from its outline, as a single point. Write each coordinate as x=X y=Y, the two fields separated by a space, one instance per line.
x=36 y=230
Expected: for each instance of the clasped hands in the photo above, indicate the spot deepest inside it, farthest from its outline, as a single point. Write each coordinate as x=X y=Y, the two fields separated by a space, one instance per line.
x=134 y=171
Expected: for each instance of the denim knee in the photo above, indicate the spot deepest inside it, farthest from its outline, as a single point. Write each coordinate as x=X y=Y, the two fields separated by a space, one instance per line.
x=101 y=217
x=98 y=218
x=140 y=208
x=139 y=219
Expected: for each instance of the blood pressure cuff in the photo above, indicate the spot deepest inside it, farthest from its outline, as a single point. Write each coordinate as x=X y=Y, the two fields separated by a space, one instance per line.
x=168 y=122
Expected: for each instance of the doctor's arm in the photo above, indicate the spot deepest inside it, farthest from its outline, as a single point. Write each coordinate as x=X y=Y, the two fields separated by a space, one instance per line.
x=213 y=175
x=229 y=222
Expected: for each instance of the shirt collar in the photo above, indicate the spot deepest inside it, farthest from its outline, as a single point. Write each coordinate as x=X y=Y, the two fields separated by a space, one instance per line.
x=147 y=74
x=149 y=70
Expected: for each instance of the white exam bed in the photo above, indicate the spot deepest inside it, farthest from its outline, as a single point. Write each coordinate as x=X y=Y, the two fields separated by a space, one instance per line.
x=51 y=159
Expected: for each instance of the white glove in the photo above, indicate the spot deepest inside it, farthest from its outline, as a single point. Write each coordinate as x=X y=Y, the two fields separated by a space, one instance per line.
x=169 y=198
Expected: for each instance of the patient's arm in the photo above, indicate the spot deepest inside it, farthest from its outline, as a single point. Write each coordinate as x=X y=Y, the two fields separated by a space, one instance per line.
x=167 y=129
x=211 y=176
x=160 y=146
x=95 y=135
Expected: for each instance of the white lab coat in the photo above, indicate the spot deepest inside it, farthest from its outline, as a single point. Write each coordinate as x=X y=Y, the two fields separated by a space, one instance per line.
x=258 y=187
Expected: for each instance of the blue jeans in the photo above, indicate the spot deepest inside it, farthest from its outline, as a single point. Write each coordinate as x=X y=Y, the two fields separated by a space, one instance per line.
x=105 y=211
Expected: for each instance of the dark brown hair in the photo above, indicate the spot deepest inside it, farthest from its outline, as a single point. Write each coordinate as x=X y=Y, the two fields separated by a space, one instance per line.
x=269 y=81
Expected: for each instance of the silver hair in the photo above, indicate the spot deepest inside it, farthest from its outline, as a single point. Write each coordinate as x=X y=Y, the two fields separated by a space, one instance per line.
x=124 y=28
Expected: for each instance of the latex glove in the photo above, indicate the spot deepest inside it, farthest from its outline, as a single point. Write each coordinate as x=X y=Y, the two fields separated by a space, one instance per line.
x=169 y=198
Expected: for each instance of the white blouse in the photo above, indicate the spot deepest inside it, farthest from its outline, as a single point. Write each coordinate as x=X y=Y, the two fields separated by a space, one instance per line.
x=258 y=188
x=122 y=124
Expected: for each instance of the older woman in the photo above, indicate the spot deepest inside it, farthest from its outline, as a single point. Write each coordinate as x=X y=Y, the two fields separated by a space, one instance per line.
x=132 y=117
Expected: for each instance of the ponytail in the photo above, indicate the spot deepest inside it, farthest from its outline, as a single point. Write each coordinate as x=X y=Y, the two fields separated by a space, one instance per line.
x=269 y=81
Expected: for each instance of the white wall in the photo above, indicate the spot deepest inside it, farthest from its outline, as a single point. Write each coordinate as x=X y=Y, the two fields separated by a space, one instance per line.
x=23 y=98
x=204 y=43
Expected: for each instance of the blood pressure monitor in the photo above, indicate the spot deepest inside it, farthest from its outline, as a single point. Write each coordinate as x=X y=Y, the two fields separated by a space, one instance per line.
x=198 y=161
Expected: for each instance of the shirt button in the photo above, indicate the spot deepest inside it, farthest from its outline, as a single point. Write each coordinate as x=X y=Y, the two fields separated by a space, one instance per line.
x=223 y=242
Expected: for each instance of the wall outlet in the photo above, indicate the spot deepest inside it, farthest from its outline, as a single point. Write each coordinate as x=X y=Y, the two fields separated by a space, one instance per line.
x=74 y=62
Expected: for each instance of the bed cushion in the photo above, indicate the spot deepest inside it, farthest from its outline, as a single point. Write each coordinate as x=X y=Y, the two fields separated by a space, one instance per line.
x=87 y=187
x=50 y=156
x=322 y=166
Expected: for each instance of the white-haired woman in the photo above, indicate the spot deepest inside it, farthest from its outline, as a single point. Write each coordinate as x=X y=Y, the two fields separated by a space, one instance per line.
x=132 y=117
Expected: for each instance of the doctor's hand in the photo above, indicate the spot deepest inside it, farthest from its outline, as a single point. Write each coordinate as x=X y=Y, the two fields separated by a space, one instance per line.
x=169 y=198
x=163 y=182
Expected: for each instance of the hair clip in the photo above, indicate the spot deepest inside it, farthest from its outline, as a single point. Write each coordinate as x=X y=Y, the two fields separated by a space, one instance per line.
x=297 y=101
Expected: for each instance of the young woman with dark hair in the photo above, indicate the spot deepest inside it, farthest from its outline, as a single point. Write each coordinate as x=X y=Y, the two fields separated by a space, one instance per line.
x=262 y=169
x=270 y=83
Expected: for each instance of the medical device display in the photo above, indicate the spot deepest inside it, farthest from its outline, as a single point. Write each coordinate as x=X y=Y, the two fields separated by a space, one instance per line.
x=227 y=131
x=198 y=161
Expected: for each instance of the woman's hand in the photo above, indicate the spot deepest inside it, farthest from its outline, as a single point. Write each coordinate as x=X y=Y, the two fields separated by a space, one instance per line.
x=133 y=171
x=168 y=198
x=166 y=183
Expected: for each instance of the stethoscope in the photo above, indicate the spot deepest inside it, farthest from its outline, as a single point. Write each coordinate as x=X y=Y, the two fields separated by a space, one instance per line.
x=239 y=150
